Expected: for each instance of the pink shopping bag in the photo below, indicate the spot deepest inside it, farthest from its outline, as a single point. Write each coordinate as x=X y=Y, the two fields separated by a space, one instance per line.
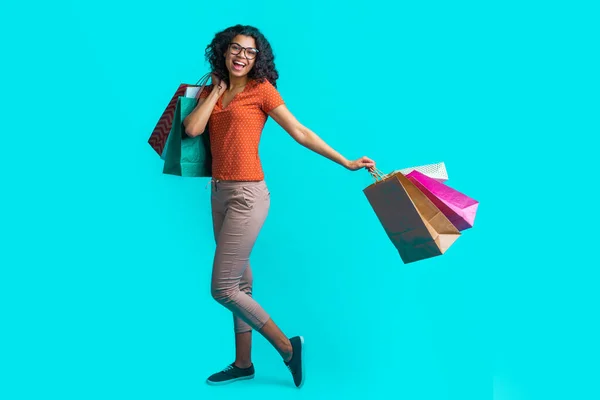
x=457 y=207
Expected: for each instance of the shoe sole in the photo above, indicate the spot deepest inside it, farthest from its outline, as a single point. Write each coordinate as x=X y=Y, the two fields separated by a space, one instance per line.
x=302 y=364
x=241 y=378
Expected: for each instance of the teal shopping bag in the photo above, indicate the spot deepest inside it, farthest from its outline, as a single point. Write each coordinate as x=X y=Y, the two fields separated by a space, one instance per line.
x=187 y=156
x=158 y=138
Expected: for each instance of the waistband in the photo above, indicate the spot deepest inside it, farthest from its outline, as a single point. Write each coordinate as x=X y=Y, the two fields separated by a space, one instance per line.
x=236 y=184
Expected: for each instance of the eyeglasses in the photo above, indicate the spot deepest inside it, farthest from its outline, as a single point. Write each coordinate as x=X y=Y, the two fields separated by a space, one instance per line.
x=236 y=48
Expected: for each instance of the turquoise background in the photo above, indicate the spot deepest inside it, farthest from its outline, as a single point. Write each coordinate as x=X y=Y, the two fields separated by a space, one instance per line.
x=104 y=283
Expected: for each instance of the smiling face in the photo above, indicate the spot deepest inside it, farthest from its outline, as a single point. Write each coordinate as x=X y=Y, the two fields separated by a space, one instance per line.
x=241 y=64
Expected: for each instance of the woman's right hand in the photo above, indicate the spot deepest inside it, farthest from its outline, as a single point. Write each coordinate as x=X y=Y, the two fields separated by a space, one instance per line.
x=218 y=83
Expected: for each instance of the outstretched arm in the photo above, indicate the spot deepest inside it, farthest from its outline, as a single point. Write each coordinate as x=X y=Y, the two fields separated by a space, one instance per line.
x=307 y=138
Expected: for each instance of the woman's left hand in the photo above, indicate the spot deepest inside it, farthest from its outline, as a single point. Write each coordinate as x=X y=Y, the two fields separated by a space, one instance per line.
x=363 y=162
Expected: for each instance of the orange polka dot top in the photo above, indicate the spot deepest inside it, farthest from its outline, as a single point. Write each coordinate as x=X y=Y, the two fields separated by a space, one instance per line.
x=236 y=129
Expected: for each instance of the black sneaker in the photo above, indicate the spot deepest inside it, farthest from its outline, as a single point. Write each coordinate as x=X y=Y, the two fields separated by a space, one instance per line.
x=296 y=364
x=231 y=373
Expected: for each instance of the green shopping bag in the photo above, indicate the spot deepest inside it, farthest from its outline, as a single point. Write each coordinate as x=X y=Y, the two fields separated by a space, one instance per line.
x=187 y=156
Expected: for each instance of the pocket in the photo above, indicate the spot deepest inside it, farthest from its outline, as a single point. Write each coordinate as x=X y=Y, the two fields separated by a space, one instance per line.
x=247 y=197
x=262 y=193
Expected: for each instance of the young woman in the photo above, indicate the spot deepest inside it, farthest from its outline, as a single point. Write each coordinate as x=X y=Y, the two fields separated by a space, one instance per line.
x=236 y=106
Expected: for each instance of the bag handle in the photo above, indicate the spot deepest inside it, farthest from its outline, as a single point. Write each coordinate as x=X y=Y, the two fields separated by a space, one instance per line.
x=377 y=174
x=204 y=79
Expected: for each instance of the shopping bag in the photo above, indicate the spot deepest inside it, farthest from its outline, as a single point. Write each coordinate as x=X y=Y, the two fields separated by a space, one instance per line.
x=457 y=207
x=415 y=226
x=436 y=171
x=187 y=156
x=193 y=91
x=158 y=137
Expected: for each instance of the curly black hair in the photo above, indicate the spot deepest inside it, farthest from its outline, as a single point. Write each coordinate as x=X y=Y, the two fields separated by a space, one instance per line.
x=264 y=66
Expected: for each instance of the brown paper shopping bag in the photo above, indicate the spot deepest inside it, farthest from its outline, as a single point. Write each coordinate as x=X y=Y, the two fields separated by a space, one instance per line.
x=416 y=227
